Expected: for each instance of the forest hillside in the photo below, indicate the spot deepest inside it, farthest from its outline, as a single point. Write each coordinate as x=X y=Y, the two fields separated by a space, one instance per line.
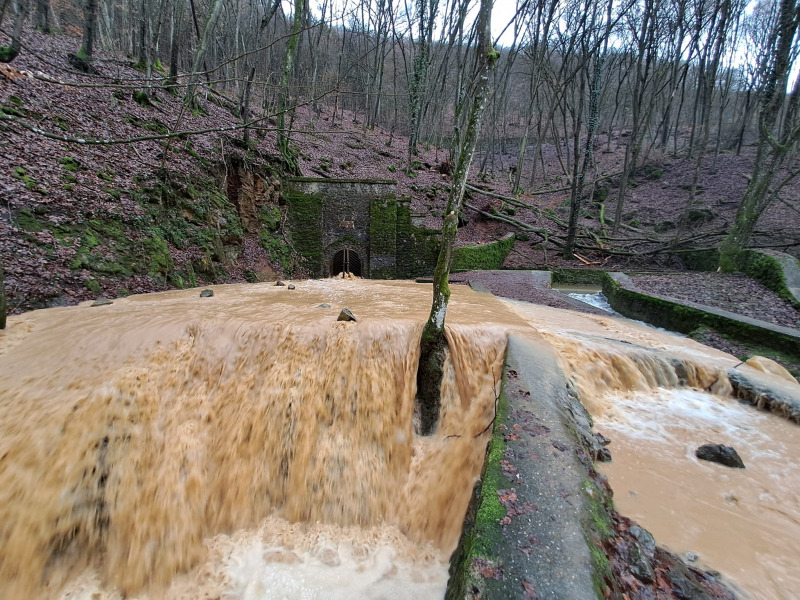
x=122 y=175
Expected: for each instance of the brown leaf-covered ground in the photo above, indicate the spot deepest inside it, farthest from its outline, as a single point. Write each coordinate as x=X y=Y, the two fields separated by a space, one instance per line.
x=732 y=292
x=38 y=269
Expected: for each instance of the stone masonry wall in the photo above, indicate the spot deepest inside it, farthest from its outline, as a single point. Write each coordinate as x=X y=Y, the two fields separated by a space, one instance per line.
x=328 y=215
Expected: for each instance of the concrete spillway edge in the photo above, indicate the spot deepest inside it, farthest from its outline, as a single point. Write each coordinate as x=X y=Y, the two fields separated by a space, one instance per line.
x=537 y=517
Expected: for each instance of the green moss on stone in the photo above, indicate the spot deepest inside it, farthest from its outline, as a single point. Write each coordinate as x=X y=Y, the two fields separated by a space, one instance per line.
x=383 y=237
x=767 y=270
x=278 y=251
x=576 y=276
x=686 y=319
x=483 y=257
x=328 y=181
x=701 y=260
x=601 y=568
x=92 y=285
x=270 y=217
x=27 y=221
x=159 y=260
x=141 y=98
x=70 y=164
x=305 y=222
x=21 y=174
x=417 y=248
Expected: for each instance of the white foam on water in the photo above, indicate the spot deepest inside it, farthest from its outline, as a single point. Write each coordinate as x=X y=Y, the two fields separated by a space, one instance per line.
x=331 y=571
x=296 y=561
x=598 y=300
x=664 y=415
x=742 y=522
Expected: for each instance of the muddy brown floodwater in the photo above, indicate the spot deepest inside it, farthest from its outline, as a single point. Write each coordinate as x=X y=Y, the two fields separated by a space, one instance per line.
x=742 y=522
x=188 y=447
x=248 y=445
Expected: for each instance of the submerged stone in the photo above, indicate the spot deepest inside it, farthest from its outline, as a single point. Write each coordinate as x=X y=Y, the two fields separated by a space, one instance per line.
x=206 y=294
x=323 y=306
x=279 y=282
x=290 y=286
x=719 y=453
x=102 y=302
x=346 y=315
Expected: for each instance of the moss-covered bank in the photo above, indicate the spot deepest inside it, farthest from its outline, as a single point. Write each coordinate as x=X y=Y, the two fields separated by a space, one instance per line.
x=766 y=268
x=484 y=256
x=482 y=530
x=627 y=300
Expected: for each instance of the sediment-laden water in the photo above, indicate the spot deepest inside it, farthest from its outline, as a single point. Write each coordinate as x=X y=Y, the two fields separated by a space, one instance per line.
x=248 y=445
x=742 y=522
x=137 y=438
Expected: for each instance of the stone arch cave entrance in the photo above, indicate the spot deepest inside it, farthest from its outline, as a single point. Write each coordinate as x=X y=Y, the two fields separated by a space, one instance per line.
x=346 y=261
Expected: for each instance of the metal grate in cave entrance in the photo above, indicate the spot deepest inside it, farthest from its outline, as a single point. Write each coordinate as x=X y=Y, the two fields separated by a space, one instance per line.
x=346 y=261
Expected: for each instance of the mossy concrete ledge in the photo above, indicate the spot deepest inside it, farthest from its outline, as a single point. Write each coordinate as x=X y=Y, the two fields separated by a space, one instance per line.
x=630 y=301
x=534 y=524
x=483 y=257
x=778 y=271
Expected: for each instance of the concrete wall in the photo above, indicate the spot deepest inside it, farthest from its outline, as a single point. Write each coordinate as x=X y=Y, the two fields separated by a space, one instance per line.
x=328 y=215
x=333 y=214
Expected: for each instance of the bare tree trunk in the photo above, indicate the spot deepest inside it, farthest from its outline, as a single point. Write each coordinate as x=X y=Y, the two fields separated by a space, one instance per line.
x=772 y=148
x=141 y=63
x=419 y=76
x=246 y=105
x=9 y=53
x=433 y=344
x=709 y=83
x=288 y=63
x=5 y=4
x=174 y=45
x=642 y=75
x=201 y=51
x=43 y=16
x=87 y=43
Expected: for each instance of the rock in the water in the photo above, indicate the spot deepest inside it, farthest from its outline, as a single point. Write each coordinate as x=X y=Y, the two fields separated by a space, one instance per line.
x=682 y=585
x=601 y=439
x=640 y=564
x=718 y=453
x=346 y=315
x=645 y=539
x=602 y=455
x=770 y=366
x=279 y=282
x=323 y=306
x=206 y=294
x=102 y=302
x=290 y=286
x=691 y=557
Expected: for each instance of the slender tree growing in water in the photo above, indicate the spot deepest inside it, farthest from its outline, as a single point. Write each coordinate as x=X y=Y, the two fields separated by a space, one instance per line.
x=433 y=345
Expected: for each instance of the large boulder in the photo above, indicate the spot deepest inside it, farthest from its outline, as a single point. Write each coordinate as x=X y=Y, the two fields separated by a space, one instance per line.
x=719 y=453
x=346 y=315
